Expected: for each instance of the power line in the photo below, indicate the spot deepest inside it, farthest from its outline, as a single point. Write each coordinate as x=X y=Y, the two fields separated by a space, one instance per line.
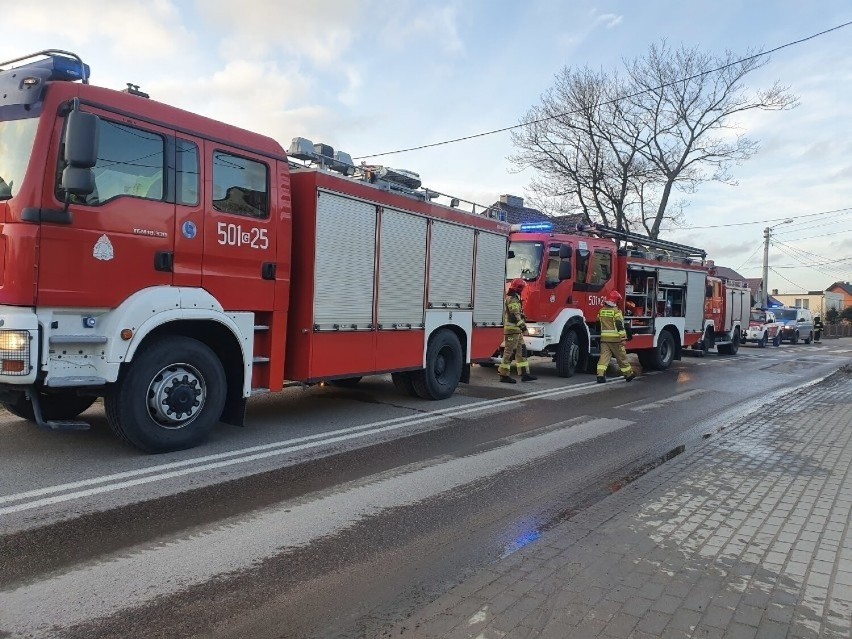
x=785 y=279
x=757 y=248
x=613 y=101
x=774 y=219
x=806 y=261
x=812 y=237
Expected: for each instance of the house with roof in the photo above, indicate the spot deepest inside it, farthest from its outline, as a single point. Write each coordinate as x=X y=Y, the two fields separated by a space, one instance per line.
x=818 y=302
x=844 y=289
x=511 y=209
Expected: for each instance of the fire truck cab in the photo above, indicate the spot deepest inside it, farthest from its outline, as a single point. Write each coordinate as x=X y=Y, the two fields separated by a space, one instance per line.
x=570 y=275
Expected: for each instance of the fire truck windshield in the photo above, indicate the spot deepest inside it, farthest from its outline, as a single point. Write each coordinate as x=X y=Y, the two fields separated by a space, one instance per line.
x=16 y=146
x=526 y=261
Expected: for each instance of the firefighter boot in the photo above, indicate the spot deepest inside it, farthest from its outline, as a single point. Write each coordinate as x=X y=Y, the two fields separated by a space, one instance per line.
x=630 y=377
x=601 y=379
x=526 y=377
x=507 y=379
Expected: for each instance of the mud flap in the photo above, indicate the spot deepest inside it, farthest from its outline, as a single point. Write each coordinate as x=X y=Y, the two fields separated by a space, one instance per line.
x=465 y=374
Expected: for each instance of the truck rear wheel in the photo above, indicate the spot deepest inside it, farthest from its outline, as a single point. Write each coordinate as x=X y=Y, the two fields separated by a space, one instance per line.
x=567 y=354
x=170 y=398
x=732 y=348
x=443 y=367
x=661 y=357
x=764 y=339
x=53 y=406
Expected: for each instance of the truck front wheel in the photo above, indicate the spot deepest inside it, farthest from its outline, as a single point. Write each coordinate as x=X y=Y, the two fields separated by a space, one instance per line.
x=170 y=398
x=443 y=367
x=567 y=354
x=53 y=407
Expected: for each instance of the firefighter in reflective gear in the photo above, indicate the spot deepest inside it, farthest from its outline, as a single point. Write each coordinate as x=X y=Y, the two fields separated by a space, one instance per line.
x=613 y=337
x=514 y=327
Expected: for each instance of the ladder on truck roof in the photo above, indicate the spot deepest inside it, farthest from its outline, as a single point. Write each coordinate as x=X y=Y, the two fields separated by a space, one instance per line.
x=643 y=241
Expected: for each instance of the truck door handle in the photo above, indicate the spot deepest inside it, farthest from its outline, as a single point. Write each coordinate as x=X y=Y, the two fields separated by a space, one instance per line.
x=164 y=261
x=268 y=270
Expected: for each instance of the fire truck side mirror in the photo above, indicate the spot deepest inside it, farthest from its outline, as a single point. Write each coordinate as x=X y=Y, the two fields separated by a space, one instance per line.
x=708 y=293
x=510 y=255
x=81 y=153
x=565 y=251
x=565 y=270
x=81 y=140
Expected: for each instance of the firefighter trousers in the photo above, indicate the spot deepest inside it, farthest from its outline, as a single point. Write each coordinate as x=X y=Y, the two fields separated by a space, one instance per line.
x=513 y=349
x=616 y=350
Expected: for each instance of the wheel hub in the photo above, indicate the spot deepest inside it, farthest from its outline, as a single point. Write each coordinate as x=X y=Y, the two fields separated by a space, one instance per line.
x=176 y=395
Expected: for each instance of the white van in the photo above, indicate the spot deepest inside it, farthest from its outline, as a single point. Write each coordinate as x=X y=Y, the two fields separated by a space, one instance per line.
x=795 y=324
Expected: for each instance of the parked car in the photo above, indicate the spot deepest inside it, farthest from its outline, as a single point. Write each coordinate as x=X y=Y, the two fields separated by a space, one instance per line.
x=762 y=328
x=796 y=324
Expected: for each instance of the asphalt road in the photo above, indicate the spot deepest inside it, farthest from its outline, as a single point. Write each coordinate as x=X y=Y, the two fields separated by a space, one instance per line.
x=336 y=512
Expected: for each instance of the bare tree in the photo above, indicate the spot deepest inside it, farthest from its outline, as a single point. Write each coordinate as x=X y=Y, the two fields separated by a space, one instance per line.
x=617 y=148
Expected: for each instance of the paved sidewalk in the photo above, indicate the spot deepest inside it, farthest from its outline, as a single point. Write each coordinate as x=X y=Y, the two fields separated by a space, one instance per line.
x=746 y=536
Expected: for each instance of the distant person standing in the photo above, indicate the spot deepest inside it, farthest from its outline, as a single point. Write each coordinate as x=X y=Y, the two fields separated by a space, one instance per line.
x=514 y=327
x=613 y=337
x=817 y=328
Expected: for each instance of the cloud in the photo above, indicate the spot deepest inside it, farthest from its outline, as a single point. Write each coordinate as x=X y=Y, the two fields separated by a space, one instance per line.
x=130 y=29
x=609 y=20
x=320 y=30
x=423 y=26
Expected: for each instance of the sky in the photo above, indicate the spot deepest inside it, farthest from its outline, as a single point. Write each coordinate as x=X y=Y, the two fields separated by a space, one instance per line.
x=374 y=76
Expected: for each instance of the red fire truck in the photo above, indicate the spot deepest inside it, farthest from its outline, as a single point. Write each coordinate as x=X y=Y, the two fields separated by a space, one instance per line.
x=176 y=265
x=570 y=275
x=727 y=309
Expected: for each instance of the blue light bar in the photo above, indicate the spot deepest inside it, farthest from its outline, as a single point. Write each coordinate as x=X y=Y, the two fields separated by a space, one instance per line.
x=60 y=67
x=536 y=227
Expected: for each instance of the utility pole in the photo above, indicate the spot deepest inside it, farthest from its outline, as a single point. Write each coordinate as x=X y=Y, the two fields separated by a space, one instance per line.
x=765 y=294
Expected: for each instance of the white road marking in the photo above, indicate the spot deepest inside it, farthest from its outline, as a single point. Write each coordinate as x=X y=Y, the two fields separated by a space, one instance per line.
x=118 y=481
x=133 y=577
x=670 y=400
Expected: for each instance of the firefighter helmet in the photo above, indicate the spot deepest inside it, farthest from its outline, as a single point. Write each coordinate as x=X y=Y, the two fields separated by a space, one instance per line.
x=614 y=296
x=517 y=284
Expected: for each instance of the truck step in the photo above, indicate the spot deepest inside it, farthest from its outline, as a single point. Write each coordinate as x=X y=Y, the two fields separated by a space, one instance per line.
x=261 y=327
x=260 y=360
x=55 y=424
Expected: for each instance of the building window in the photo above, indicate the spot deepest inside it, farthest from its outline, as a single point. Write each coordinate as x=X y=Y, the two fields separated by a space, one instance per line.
x=806 y=303
x=240 y=186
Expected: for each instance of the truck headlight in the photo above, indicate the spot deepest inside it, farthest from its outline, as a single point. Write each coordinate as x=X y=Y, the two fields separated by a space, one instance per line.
x=535 y=331
x=14 y=352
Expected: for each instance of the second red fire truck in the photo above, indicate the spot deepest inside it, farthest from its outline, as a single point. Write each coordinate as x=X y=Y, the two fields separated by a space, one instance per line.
x=672 y=300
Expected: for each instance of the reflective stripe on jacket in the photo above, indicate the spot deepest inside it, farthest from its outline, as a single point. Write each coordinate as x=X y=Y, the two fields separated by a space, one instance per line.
x=513 y=315
x=612 y=325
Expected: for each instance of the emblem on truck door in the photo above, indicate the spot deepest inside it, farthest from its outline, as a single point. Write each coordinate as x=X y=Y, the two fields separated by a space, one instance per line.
x=103 y=249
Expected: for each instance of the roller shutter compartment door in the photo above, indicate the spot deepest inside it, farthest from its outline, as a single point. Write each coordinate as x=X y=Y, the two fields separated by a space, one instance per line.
x=345 y=263
x=402 y=270
x=450 y=266
x=490 y=285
